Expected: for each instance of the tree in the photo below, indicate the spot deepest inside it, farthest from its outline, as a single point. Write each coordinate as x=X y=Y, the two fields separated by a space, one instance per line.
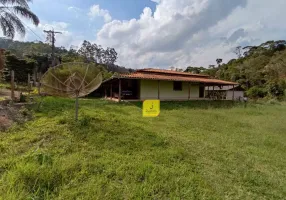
x=10 y=23
x=1 y=59
x=110 y=56
x=87 y=51
x=218 y=61
x=95 y=53
x=22 y=68
x=195 y=70
x=238 y=51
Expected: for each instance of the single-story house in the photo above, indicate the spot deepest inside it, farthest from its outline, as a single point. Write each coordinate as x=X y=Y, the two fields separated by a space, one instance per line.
x=224 y=92
x=159 y=84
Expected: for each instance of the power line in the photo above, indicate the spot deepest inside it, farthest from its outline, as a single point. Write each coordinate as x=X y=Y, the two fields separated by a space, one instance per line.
x=51 y=36
x=21 y=21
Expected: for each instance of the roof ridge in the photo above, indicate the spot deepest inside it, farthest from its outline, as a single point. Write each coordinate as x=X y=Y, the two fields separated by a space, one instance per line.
x=170 y=72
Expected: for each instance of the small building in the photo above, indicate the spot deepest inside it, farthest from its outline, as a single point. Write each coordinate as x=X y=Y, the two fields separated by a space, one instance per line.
x=225 y=92
x=166 y=85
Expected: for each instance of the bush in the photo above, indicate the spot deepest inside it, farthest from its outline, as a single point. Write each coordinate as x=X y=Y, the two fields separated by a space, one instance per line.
x=276 y=89
x=256 y=92
x=273 y=102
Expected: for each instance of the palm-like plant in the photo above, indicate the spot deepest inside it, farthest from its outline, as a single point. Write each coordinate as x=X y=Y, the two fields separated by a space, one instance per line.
x=10 y=23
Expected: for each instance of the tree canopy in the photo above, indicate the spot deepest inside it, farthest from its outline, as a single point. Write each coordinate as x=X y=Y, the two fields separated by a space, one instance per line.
x=40 y=54
x=261 y=70
x=10 y=11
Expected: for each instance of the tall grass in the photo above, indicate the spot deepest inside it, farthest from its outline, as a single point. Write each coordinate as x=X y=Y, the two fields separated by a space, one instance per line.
x=193 y=150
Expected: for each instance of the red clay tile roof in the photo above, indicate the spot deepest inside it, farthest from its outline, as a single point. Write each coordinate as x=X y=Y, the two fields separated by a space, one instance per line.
x=163 y=71
x=172 y=77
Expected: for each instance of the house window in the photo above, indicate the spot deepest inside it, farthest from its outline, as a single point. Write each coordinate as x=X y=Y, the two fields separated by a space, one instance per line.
x=177 y=86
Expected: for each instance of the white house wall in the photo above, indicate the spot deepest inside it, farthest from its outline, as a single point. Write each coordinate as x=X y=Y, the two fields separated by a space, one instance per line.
x=237 y=94
x=149 y=90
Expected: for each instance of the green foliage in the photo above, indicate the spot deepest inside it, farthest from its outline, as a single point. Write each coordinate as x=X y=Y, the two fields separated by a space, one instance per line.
x=11 y=12
x=262 y=67
x=195 y=70
x=20 y=49
x=40 y=53
x=95 y=53
x=256 y=92
x=2 y=61
x=194 y=150
x=22 y=68
x=276 y=88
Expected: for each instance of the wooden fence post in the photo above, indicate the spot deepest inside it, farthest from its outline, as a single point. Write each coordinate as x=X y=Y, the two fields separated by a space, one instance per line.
x=29 y=83
x=12 y=85
x=39 y=83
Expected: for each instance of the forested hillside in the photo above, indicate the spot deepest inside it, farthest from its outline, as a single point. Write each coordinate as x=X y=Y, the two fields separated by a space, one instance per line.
x=261 y=70
x=38 y=54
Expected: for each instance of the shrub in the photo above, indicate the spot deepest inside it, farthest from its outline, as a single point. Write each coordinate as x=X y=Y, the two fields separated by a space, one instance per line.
x=276 y=89
x=256 y=92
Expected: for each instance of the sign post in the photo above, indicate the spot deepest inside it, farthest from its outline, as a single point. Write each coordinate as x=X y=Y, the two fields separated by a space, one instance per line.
x=151 y=108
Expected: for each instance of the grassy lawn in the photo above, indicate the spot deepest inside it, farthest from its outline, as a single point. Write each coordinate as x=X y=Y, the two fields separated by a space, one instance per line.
x=194 y=150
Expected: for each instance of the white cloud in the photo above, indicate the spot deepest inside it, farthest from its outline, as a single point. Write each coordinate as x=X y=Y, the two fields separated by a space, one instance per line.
x=77 y=11
x=96 y=11
x=192 y=32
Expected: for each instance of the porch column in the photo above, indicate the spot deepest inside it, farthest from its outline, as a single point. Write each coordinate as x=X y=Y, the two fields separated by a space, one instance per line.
x=204 y=90
x=209 y=91
x=213 y=94
x=233 y=92
x=189 y=95
x=119 y=95
x=111 y=91
x=158 y=89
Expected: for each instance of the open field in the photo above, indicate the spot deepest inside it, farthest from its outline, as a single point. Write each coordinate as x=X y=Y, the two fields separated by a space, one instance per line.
x=194 y=150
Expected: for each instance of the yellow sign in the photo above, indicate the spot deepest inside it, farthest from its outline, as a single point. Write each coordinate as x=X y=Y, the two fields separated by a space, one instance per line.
x=151 y=108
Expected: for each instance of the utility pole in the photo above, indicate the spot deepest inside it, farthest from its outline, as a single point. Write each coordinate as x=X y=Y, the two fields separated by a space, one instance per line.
x=51 y=38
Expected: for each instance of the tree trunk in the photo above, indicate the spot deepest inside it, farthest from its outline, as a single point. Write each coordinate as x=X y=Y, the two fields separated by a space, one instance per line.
x=1 y=59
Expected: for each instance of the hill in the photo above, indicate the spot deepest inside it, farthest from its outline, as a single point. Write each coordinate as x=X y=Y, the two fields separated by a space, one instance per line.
x=194 y=150
x=41 y=53
x=260 y=70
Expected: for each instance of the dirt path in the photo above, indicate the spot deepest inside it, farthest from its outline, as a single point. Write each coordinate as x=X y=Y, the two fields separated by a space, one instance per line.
x=5 y=93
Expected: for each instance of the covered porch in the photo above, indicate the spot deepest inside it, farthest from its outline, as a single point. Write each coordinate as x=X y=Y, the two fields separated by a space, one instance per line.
x=126 y=89
x=122 y=89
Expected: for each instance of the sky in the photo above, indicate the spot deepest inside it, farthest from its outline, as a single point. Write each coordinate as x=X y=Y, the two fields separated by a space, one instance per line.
x=161 y=33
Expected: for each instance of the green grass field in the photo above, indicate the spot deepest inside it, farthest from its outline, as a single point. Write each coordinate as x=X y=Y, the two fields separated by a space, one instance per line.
x=193 y=150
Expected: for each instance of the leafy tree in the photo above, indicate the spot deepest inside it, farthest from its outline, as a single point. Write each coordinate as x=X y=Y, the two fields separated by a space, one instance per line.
x=22 y=68
x=218 y=61
x=256 y=92
x=195 y=70
x=95 y=53
x=87 y=51
x=110 y=56
x=261 y=70
x=1 y=59
x=238 y=51
x=10 y=23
